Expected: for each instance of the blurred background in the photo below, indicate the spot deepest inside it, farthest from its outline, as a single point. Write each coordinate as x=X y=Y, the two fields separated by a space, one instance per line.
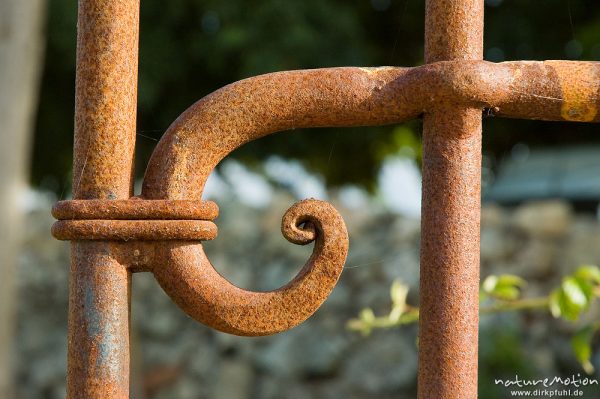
x=541 y=189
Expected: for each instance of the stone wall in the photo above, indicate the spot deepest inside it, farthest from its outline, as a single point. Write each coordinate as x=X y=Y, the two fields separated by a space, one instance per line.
x=174 y=357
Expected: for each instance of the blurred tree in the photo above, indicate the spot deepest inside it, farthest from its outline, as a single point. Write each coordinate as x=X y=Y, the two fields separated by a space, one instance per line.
x=190 y=48
x=21 y=45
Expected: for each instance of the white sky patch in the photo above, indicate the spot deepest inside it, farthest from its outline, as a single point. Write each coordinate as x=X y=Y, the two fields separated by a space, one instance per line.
x=249 y=188
x=400 y=186
x=215 y=188
x=293 y=176
x=354 y=197
x=28 y=199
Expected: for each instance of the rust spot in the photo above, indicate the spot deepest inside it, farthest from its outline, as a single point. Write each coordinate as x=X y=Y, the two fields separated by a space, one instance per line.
x=579 y=83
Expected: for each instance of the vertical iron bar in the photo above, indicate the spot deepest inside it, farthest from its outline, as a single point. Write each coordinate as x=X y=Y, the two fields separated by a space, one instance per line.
x=449 y=285
x=105 y=117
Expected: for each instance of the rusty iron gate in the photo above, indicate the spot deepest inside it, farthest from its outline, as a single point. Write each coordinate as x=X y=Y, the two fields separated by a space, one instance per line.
x=115 y=234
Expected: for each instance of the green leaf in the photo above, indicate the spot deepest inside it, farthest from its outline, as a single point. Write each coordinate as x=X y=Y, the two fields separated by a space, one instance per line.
x=555 y=303
x=511 y=280
x=586 y=288
x=505 y=287
x=489 y=284
x=575 y=293
x=581 y=343
x=589 y=273
x=398 y=293
x=367 y=316
x=571 y=298
x=395 y=314
x=506 y=293
x=561 y=306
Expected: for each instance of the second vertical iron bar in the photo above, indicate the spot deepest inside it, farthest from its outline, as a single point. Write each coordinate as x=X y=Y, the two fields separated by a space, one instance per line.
x=449 y=285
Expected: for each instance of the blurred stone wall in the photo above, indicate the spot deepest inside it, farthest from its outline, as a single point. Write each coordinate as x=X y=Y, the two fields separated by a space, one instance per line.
x=174 y=357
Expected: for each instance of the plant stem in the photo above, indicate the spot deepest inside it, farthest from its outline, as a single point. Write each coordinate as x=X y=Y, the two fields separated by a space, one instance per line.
x=520 y=304
x=412 y=315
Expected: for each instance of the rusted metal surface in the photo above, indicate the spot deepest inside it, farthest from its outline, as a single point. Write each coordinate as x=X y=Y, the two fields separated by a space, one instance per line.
x=135 y=219
x=221 y=122
x=127 y=230
x=450 y=214
x=135 y=209
x=105 y=116
x=99 y=303
x=115 y=234
x=449 y=283
x=206 y=296
x=105 y=99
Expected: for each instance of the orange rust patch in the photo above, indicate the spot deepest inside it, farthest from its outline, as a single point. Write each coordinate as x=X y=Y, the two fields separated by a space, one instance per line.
x=579 y=86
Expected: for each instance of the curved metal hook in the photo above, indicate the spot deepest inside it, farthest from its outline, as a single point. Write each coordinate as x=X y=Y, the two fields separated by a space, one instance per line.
x=190 y=150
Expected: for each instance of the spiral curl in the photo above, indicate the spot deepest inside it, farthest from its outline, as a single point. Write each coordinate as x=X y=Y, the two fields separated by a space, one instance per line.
x=188 y=277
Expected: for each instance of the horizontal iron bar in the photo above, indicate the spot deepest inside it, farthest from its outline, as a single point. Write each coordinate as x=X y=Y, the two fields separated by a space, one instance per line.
x=262 y=105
